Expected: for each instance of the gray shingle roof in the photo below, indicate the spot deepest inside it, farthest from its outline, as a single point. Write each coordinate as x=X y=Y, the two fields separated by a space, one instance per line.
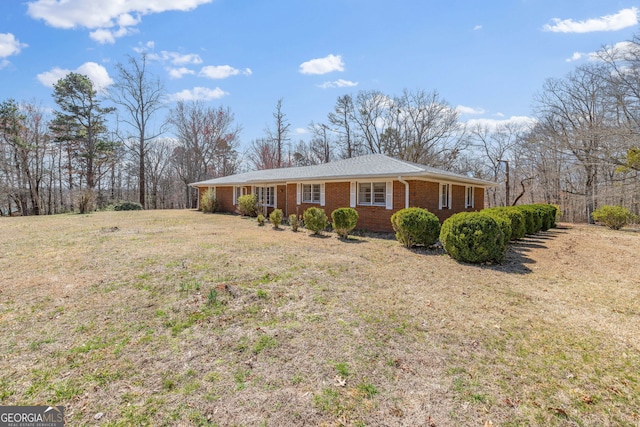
x=364 y=167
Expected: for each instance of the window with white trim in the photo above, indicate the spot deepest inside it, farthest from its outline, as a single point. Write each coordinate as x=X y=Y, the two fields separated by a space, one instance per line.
x=265 y=196
x=445 y=196
x=469 y=197
x=237 y=194
x=311 y=193
x=372 y=193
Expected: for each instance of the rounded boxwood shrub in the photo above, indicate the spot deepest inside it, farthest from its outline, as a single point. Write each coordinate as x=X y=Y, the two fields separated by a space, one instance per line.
x=248 y=205
x=415 y=226
x=276 y=218
x=127 y=206
x=344 y=221
x=473 y=237
x=546 y=214
x=260 y=218
x=614 y=217
x=532 y=222
x=315 y=220
x=516 y=218
x=503 y=222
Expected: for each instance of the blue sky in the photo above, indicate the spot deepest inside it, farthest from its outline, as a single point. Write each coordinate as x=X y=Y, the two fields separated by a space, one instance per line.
x=486 y=58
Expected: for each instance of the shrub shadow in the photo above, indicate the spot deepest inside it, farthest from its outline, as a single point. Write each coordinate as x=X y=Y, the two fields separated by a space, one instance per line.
x=517 y=259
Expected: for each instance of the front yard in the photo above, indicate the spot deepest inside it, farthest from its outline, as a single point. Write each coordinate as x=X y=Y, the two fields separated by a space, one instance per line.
x=180 y=318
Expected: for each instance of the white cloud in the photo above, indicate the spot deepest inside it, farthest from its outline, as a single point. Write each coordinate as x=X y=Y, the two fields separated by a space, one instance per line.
x=575 y=57
x=477 y=28
x=469 y=110
x=4 y=63
x=521 y=121
x=623 y=19
x=222 y=71
x=338 y=83
x=301 y=131
x=322 y=65
x=198 y=94
x=176 y=58
x=9 y=45
x=106 y=36
x=178 y=73
x=103 y=15
x=97 y=73
x=145 y=48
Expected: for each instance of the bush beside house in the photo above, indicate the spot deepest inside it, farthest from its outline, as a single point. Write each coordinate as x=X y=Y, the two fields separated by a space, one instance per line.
x=344 y=221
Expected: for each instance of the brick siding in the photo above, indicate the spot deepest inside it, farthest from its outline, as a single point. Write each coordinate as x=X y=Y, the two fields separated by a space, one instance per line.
x=423 y=194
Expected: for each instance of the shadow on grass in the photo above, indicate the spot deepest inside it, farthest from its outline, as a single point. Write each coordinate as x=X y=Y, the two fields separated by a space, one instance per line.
x=351 y=240
x=517 y=259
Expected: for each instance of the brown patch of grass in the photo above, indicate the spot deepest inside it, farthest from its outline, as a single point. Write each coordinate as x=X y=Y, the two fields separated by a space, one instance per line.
x=174 y=317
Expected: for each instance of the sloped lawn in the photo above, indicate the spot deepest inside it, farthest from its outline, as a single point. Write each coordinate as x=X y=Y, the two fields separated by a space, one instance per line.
x=180 y=318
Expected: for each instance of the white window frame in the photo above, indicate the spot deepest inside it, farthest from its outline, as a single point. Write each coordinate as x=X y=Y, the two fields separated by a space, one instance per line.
x=469 y=196
x=444 y=196
x=313 y=195
x=372 y=193
x=266 y=196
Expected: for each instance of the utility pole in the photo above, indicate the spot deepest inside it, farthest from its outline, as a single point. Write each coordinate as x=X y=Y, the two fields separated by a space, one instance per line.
x=506 y=172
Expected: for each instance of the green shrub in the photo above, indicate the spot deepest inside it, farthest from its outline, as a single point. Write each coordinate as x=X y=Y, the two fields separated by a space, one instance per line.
x=260 y=218
x=547 y=214
x=344 y=221
x=516 y=218
x=276 y=218
x=315 y=220
x=126 y=206
x=248 y=205
x=503 y=222
x=415 y=226
x=208 y=202
x=614 y=217
x=473 y=237
x=294 y=222
x=532 y=222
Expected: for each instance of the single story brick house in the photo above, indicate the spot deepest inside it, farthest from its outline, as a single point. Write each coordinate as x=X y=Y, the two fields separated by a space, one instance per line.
x=375 y=185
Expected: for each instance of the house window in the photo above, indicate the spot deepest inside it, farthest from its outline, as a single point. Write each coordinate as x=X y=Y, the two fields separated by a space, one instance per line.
x=469 y=197
x=445 y=196
x=372 y=193
x=311 y=193
x=237 y=194
x=265 y=195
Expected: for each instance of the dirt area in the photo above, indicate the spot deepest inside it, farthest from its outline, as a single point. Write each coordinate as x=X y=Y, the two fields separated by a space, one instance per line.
x=181 y=318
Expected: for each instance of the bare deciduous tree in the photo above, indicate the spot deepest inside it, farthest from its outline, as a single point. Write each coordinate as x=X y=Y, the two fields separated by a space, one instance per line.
x=141 y=97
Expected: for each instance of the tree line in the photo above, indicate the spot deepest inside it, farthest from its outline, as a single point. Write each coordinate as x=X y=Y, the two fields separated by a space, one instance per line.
x=580 y=150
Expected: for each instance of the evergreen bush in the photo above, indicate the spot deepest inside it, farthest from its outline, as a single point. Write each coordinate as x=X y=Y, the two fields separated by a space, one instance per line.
x=294 y=222
x=344 y=221
x=503 y=222
x=126 y=206
x=260 y=218
x=248 y=205
x=614 y=217
x=516 y=219
x=208 y=202
x=473 y=237
x=315 y=220
x=276 y=218
x=415 y=226
x=533 y=224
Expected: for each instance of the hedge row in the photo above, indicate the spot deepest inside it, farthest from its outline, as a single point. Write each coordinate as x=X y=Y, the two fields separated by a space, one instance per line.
x=316 y=220
x=474 y=237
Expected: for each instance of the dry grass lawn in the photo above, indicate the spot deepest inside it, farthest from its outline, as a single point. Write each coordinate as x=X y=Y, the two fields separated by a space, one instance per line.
x=180 y=318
